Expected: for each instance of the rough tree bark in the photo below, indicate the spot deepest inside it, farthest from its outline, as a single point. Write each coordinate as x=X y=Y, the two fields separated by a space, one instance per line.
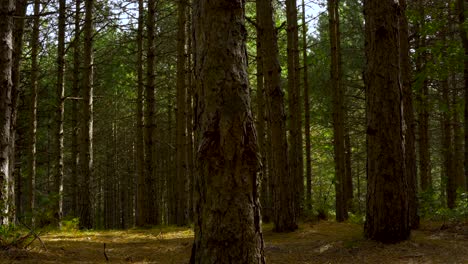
x=410 y=124
x=308 y=159
x=75 y=144
x=86 y=152
x=464 y=38
x=33 y=111
x=283 y=191
x=423 y=113
x=387 y=214
x=140 y=145
x=338 y=112
x=7 y=9
x=58 y=179
x=20 y=13
x=151 y=210
x=227 y=210
x=181 y=123
x=261 y=117
x=296 y=166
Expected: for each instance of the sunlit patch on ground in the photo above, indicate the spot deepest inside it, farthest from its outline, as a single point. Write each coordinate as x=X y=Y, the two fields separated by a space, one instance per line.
x=325 y=242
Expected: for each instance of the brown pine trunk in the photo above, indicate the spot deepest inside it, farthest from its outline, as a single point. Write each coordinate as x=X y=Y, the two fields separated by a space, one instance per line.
x=181 y=123
x=283 y=192
x=338 y=112
x=464 y=38
x=189 y=109
x=140 y=145
x=75 y=144
x=447 y=147
x=58 y=179
x=7 y=9
x=410 y=124
x=20 y=13
x=86 y=152
x=387 y=214
x=151 y=210
x=308 y=159
x=296 y=166
x=227 y=211
x=33 y=111
x=460 y=180
x=260 y=100
x=423 y=114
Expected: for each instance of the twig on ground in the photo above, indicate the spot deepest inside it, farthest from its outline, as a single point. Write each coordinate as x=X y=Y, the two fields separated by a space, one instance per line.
x=105 y=255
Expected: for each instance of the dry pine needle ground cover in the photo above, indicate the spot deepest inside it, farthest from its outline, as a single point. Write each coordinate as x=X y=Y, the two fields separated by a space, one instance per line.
x=324 y=242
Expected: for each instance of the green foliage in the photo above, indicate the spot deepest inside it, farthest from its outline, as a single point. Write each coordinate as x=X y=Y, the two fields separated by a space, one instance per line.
x=432 y=208
x=11 y=236
x=356 y=218
x=70 y=224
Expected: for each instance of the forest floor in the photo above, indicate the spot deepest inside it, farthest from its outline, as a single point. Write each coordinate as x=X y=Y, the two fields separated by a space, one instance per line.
x=323 y=242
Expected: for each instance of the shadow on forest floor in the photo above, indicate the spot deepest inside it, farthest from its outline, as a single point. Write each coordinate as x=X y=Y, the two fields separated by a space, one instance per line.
x=324 y=242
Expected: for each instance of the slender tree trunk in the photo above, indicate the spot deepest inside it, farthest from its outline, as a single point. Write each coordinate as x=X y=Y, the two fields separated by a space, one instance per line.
x=260 y=100
x=189 y=105
x=181 y=123
x=141 y=213
x=338 y=112
x=151 y=201
x=410 y=124
x=20 y=13
x=86 y=153
x=295 y=113
x=283 y=191
x=58 y=181
x=33 y=111
x=75 y=144
x=227 y=211
x=464 y=38
x=460 y=180
x=423 y=115
x=7 y=9
x=308 y=164
x=387 y=214
x=447 y=147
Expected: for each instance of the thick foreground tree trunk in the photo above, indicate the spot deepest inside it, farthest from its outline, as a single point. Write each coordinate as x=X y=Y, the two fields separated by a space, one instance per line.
x=387 y=214
x=227 y=207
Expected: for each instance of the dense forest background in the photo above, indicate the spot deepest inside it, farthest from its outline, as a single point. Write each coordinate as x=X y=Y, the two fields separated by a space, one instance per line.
x=106 y=120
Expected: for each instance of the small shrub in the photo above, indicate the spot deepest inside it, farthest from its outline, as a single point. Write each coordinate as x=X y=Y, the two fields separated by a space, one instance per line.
x=11 y=236
x=70 y=224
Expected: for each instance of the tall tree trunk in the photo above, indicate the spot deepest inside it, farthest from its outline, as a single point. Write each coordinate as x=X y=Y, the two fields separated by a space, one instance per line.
x=261 y=117
x=20 y=13
x=308 y=162
x=227 y=212
x=140 y=145
x=464 y=38
x=447 y=147
x=296 y=166
x=189 y=106
x=33 y=110
x=283 y=191
x=422 y=98
x=7 y=9
x=460 y=180
x=151 y=201
x=387 y=214
x=410 y=124
x=86 y=153
x=75 y=144
x=58 y=181
x=181 y=123
x=338 y=112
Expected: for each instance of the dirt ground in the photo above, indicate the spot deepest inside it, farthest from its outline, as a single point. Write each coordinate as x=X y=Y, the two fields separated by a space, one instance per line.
x=324 y=242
